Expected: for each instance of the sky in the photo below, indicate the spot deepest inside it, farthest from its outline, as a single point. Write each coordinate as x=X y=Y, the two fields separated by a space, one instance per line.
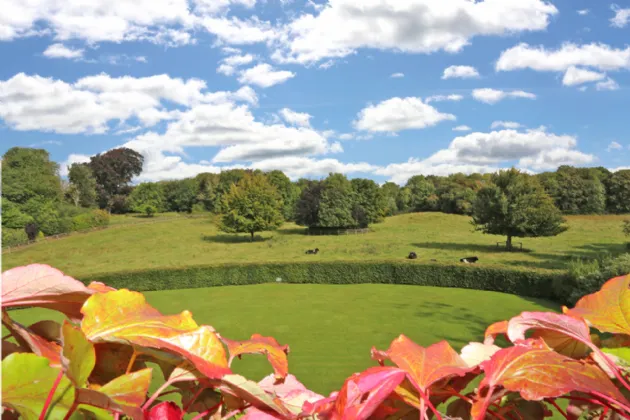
x=380 y=89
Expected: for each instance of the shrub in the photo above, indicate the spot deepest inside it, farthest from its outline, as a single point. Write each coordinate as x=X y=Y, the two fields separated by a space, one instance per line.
x=587 y=276
x=13 y=237
x=150 y=210
x=94 y=371
x=95 y=218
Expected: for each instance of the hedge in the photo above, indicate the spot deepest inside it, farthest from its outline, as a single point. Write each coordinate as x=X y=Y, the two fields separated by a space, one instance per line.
x=536 y=284
x=92 y=219
x=13 y=237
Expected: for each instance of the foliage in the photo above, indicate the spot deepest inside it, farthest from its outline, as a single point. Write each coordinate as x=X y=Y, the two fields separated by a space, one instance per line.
x=113 y=171
x=225 y=182
x=403 y=199
x=207 y=189
x=516 y=206
x=145 y=195
x=522 y=380
x=84 y=183
x=254 y=205
x=626 y=227
x=29 y=173
x=337 y=203
x=288 y=191
x=180 y=196
x=576 y=190
x=13 y=237
x=307 y=207
x=46 y=215
x=92 y=219
x=618 y=190
x=370 y=204
x=587 y=276
x=13 y=217
x=390 y=192
x=422 y=191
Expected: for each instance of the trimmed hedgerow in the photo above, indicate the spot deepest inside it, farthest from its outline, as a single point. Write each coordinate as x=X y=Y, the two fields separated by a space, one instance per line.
x=536 y=284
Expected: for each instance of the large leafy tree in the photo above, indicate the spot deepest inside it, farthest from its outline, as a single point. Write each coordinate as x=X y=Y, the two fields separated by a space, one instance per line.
x=83 y=184
x=370 y=203
x=337 y=203
x=226 y=180
x=180 y=195
x=253 y=205
x=516 y=205
x=12 y=215
x=619 y=192
x=576 y=190
x=390 y=192
x=147 y=198
x=29 y=173
x=207 y=189
x=307 y=207
x=289 y=192
x=422 y=191
x=113 y=171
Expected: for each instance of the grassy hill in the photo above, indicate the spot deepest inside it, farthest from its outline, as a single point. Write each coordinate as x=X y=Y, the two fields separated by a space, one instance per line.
x=183 y=242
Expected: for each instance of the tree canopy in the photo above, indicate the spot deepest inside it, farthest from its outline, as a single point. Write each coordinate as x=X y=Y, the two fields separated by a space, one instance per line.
x=29 y=173
x=516 y=205
x=113 y=171
x=84 y=183
x=147 y=198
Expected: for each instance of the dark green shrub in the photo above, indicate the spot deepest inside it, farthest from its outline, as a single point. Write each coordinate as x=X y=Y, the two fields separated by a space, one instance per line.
x=13 y=237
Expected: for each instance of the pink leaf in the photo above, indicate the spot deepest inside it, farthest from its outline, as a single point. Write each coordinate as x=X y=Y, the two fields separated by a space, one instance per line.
x=167 y=410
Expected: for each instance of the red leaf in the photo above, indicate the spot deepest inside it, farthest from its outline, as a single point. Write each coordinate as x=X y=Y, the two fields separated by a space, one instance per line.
x=609 y=309
x=166 y=410
x=537 y=372
x=498 y=328
x=425 y=366
x=38 y=345
x=276 y=354
x=43 y=286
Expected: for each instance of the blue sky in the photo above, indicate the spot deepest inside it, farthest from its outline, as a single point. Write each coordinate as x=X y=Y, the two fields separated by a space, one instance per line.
x=371 y=88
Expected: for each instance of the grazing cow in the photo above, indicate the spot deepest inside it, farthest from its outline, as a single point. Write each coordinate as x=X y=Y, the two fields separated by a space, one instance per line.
x=412 y=256
x=313 y=251
x=31 y=231
x=469 y=260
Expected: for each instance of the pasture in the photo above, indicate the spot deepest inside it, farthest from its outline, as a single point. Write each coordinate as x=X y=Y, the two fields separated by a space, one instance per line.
x=184 y=242
x=331 y=329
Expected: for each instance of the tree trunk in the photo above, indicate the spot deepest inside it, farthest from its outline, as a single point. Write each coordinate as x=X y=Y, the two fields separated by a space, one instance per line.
x=508 y=244
x=252 y=238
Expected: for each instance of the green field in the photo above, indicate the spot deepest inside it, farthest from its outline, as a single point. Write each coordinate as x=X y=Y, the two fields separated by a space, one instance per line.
x=184 y=242
x=331 y=329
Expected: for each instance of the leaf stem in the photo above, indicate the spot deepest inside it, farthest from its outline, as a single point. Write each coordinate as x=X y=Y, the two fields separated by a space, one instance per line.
x=42 y=416
x=73 y=408
x=486 y=404
x=231 y=414
x=614 y=368
x=131 y=361
x=156 y=394
x=611 y=401
x=208 y=411
x=192 y=400
x=555 y=404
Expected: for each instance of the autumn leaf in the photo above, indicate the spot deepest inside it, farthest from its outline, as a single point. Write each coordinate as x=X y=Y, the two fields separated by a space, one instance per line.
x=50 y=330
x=166 y=410
x=425 y=366
x=276 y=354
x=537 y=372
x=43 y=286
x=494 y=330
x=291 y=392
x=251 y=392
x=27 y=340
x=9 y=347
x=609 y=309
x=125 y=317
x=125 y=394
x=78 y=356
x=99 y=287
x=27 y=379
x=112 y=361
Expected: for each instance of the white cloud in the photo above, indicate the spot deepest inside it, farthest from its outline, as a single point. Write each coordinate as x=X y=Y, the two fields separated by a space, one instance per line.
x=505 y=124
x=583 y=12
x=621 y=18
x=552 y=159
x=397 y=75
x=412 y=26
x=235 y=31
x=462 y=128
x=492 y=96
x=608 y=84
x=72 y=158
x=401 y=172
x=576 y=76
x=598 y=56
x=229 y=64
x=301 y=119
x=298 y=167
x=61 y=51
x=398 y=114
x=614 y=146
x=264 y=75
x=89 y=105
x=460 y=72
x=442 y=98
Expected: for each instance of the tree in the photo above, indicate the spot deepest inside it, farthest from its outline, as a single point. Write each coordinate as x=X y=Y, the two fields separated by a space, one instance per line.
x=619 y=192
x=29 y=173
x=370 y=203
x=626 y=227
x=226 y=180
x=84 y=183
x=576 y=190
x=403 y=200
x=147 y=198
x=180 y=195
x=337 y=203
x=423 y=196
x=516 y=205
x=307 y=207
x=289 y=192
x=113 y=171
x=207 y=189
x=390 y=192
x=253 y=205
x=12 y=215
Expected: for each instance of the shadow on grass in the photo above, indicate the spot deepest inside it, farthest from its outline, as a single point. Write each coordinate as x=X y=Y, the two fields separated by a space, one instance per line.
x=233 y=239
x=451 y=246
x=291 y=231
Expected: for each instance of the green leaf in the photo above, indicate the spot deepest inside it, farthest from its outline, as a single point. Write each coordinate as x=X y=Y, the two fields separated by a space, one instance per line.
x=26 y=382
x=78 y=356
x=622 y=353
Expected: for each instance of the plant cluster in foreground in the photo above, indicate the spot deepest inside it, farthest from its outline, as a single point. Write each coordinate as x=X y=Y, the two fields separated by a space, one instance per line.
x=94 y=365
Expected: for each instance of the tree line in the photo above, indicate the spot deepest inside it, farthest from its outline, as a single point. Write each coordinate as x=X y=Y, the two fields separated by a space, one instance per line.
x=33 y=192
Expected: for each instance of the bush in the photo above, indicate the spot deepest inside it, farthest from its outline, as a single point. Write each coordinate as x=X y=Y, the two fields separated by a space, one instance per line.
x=13 y=237
x=531 y=283
x=95 y=218
x=587 y=276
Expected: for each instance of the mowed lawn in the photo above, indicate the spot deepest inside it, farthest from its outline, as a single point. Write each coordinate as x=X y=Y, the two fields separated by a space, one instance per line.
x=331 y=329
x=183 y=242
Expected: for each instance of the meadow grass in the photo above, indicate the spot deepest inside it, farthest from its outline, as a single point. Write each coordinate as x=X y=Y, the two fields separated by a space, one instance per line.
x=184 y=242
x=331 y=329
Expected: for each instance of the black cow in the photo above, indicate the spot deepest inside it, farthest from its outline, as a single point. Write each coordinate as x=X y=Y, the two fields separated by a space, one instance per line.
x=469 y=260
x=31 y=231
x=313 y=251
x=412 y=256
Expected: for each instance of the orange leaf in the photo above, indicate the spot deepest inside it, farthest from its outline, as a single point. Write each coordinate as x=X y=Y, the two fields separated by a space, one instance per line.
x=425 y=366
x=276 y=354
x=537 y=372
x=498 y=328
x=99 y=287
x=43 y=286
x=609 y=309
x=125 y=317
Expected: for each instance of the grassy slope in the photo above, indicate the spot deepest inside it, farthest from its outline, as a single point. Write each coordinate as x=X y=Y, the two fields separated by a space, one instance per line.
x=330 y=329
x=186 y=242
